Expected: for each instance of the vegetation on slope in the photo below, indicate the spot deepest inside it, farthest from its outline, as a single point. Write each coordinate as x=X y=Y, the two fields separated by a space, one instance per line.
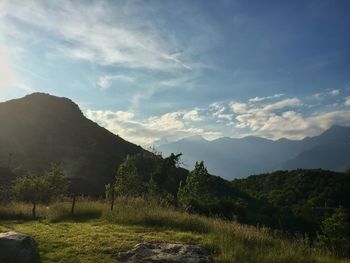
x=310 y=195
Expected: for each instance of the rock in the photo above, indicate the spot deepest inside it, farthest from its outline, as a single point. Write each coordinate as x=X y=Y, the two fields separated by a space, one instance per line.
x=165 y=253
x=18 y=248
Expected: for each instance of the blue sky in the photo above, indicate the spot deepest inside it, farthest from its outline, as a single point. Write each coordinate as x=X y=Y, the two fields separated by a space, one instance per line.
x=148 y=70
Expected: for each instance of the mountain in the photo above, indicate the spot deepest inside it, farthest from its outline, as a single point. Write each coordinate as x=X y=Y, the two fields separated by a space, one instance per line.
x=40 y=129
x=330 y=150
x=235 y=158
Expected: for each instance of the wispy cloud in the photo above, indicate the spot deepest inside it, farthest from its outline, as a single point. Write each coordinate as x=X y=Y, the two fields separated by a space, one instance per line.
x=109 y=40
x=104 y=82
x=259 y=99
x=324 y=94
x=334 y=92
x=292 y=102
x=96 y=32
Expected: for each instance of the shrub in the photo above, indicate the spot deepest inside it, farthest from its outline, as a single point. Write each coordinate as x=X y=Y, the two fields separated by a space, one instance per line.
x=335 y=233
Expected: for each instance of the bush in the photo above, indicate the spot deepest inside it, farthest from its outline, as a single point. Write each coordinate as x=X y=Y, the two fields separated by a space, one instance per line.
x=335 y=234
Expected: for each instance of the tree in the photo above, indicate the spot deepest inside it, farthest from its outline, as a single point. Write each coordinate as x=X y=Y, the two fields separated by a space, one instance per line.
x=35 y=189
x=195 y=192
x=153 y=191
x=167 y=176
x=335 y=233
x=31 y=188
x=56 y=180
x=157 y=194
x=127 y=181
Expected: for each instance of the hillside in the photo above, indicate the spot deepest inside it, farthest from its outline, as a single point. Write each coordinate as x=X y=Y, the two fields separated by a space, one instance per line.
x=310 y=194
x=236 y=158
x=40 y=129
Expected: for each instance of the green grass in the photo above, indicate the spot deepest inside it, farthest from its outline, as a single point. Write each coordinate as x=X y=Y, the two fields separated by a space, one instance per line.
x=93 y=241
x=96 y=234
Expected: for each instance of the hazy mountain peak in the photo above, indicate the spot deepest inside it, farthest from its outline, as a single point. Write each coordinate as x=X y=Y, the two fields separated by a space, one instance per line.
x=195 y=138
x=336 y=132
x=283 y=139
x=336 y=128
x=253 y=138
x=161 y=141
x=224 y=139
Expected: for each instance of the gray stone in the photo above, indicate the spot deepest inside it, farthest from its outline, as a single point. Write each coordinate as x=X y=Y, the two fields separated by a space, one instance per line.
x=18 y=248
x=161 y=252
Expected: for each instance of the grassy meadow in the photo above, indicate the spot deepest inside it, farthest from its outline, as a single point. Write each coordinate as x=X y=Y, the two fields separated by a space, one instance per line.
x=96 y=234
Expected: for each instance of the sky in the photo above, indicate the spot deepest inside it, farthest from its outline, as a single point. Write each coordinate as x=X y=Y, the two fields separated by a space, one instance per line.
x=164 y=70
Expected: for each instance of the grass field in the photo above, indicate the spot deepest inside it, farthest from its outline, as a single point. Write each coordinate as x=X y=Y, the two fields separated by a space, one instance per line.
x=96 y=234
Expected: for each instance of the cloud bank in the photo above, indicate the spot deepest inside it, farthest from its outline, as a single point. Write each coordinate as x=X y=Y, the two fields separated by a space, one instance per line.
x=173 y=125
x=274 y=120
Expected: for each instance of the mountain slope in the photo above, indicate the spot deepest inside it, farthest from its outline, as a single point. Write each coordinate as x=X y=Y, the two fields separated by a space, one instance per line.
x=309 y=194
x=40 y=129
x=330 y=150
x=234 y=158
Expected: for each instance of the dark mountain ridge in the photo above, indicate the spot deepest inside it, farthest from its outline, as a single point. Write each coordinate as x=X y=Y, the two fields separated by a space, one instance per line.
x=40 y=129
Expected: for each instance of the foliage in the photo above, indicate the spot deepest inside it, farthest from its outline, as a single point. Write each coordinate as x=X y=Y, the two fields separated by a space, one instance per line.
x=301 y=193
x=195 y=192
x=151 y=175
x=210 y=195
x=168 y=175
x=164 y=181
x=127 y=181
x=34 y=189
x=56 y=180
x=335 y=233
x=158 y=195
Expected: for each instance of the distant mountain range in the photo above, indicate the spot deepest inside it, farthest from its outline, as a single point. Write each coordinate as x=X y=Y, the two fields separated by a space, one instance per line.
x=40 y=129
x=236 y=158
